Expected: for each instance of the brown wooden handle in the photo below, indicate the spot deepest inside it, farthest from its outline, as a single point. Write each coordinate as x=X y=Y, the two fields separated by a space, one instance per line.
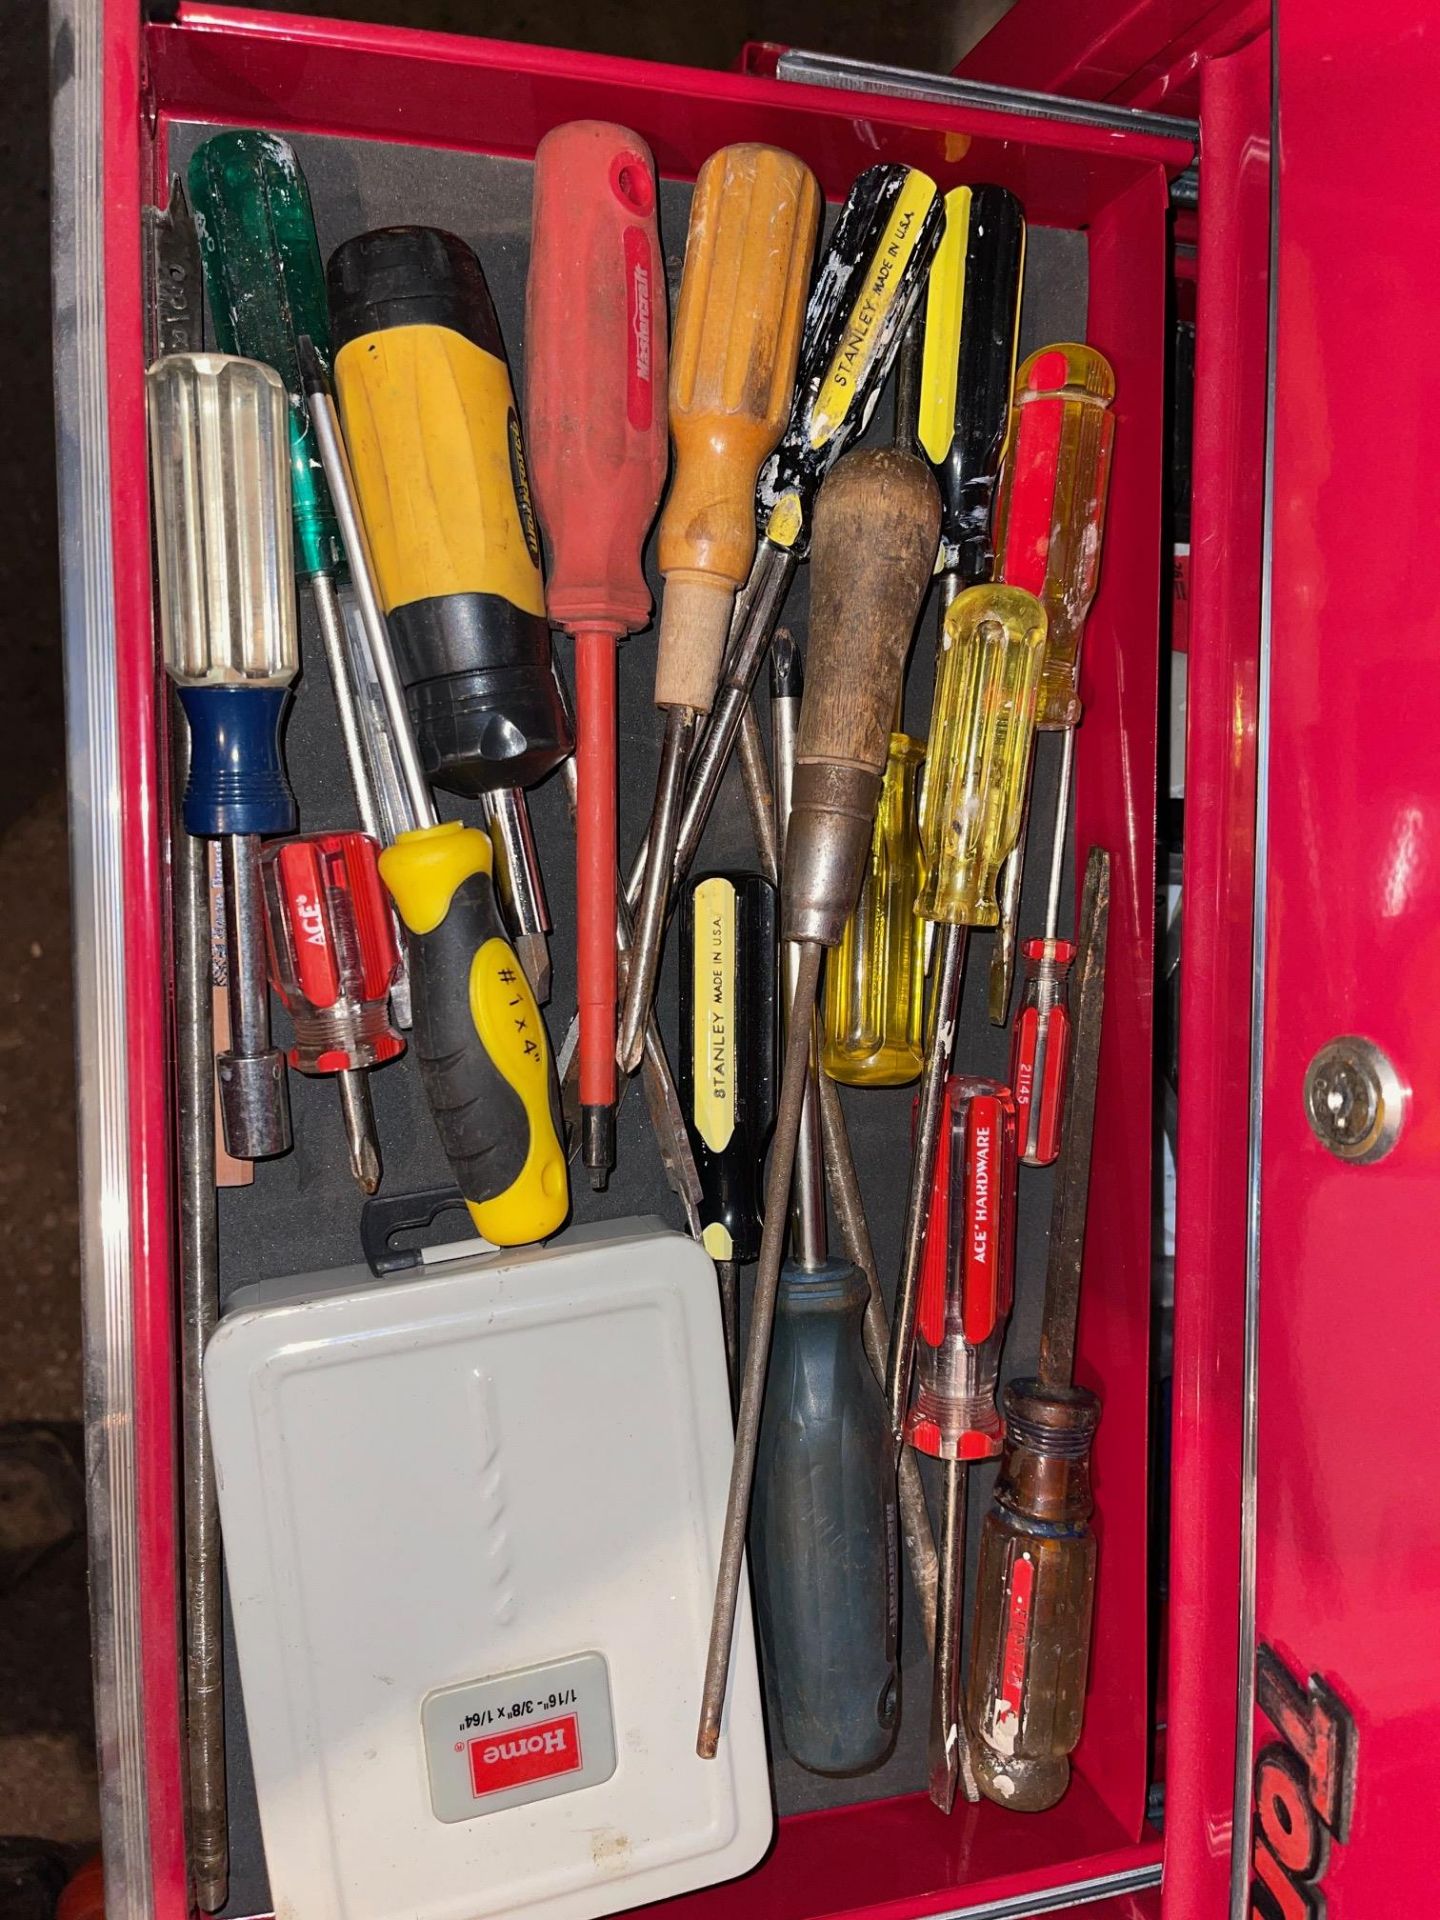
x=877 y=530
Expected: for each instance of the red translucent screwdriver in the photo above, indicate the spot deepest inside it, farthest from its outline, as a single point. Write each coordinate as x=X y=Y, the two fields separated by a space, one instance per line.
x=596 y=426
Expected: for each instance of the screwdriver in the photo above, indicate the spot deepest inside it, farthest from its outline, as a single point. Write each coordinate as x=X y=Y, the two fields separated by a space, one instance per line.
x=333 y=960
x=1035 y=1587
x=875 y=979
x=594 y=384
x=990 y=654
x=728 y=998
x=753 y=222
x=440 y=475
x=877 y=521
x=967 y=1285
x=481 y=1043
x=1051 y=528
x=1040 y=1041
x=219 y=458
x=980 y=732
x=870 y=277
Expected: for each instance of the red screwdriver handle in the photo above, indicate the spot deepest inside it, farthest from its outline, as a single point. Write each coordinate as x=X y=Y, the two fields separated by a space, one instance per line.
x=1040 y=1049
x=967 y=1275
x=595 y=370
x=330 y=930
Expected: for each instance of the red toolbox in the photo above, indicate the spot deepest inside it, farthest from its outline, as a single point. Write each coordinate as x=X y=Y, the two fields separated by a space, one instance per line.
x=1302 y=1676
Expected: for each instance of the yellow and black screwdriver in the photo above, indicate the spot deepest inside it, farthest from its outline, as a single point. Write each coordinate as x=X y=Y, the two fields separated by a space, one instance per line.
x=478 y=1035
x=440 y=476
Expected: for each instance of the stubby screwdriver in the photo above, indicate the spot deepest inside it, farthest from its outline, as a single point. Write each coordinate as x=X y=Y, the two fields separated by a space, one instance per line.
x=753 y=222
x=1035 y=1585
x=333 y=958
x=1040 y=1039
x=728 y=997
x=870 y=277
x=877 y=521
x=967 y=1286
x=481 y=1043
x=1051 y=527
x=219 y=456
x=595 y=382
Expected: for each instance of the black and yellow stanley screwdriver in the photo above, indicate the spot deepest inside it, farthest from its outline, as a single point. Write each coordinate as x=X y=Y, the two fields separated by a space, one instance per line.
x=478 y=1035
x=439 y=465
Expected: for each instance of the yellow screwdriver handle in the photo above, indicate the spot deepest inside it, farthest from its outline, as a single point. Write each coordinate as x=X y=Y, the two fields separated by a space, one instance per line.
x=736 y=340
x=1051 y=518
x=478 y=1035
x=875 y=978
x=981 y=731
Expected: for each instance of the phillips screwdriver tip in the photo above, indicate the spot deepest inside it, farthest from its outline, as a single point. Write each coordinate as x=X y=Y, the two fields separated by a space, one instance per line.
x=360 y=1129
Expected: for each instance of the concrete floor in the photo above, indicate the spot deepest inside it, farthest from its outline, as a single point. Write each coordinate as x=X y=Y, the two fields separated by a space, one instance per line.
x=47 y=1776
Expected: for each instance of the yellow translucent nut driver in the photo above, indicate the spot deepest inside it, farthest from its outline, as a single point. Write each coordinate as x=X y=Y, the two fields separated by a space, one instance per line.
x=1050 y=527
x=478 y=1035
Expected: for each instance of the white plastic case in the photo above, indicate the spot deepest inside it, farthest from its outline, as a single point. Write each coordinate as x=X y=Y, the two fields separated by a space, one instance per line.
x=471 y=1524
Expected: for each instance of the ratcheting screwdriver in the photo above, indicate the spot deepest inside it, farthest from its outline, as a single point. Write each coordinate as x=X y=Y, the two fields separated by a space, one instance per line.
x=871 y=274
x=753 y=222
x=967 y=1287
x=1035 y=1586
x=595 y=380
x=439 y=464
x=877 y=521
x=1050 y=530
x=333 y=958
x=481 y=1043
x=220 y=462
x=728 y=997
x=1040 y=1038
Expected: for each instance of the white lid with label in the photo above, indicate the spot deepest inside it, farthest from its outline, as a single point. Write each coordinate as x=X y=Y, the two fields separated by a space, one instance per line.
x=471 y=1524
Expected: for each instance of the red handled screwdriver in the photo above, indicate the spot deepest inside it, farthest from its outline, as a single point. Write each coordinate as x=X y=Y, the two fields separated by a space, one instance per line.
x=967 y=1286
x=330 y=930
x=596 y=422
x=1040 y=1040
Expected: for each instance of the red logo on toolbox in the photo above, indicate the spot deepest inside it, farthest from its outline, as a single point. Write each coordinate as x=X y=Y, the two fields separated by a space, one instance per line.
x=504 y=1760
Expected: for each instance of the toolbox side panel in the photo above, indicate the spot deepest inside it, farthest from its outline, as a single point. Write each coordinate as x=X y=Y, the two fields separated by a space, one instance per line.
x=1227 y=529
x=1347 y=1526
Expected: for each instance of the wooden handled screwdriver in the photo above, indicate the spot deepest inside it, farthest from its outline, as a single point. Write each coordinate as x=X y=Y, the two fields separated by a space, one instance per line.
x=753 y=222
x=595 y=415
x=877 y=522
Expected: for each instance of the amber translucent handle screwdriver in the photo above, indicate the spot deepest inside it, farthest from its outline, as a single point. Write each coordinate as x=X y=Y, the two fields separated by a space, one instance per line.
x=753 y=222
x=1035 y=1590
x=877 y=519
x=1050 y=530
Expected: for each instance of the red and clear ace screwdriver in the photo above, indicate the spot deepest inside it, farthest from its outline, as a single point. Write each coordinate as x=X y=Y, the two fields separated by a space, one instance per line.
x=595 y=415
x=333 y=960
x=1040 y=1040
x=967 y=1284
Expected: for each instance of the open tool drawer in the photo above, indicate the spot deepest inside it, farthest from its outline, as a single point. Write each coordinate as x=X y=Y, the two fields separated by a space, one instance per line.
x=405 y=126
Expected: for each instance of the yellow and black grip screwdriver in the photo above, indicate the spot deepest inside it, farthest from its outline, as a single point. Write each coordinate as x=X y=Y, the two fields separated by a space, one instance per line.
x=483 y=1051
x=439 y=462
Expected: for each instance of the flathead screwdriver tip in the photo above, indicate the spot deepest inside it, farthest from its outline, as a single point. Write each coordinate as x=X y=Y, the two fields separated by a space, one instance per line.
x=532 y=950
x=597 y=1144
